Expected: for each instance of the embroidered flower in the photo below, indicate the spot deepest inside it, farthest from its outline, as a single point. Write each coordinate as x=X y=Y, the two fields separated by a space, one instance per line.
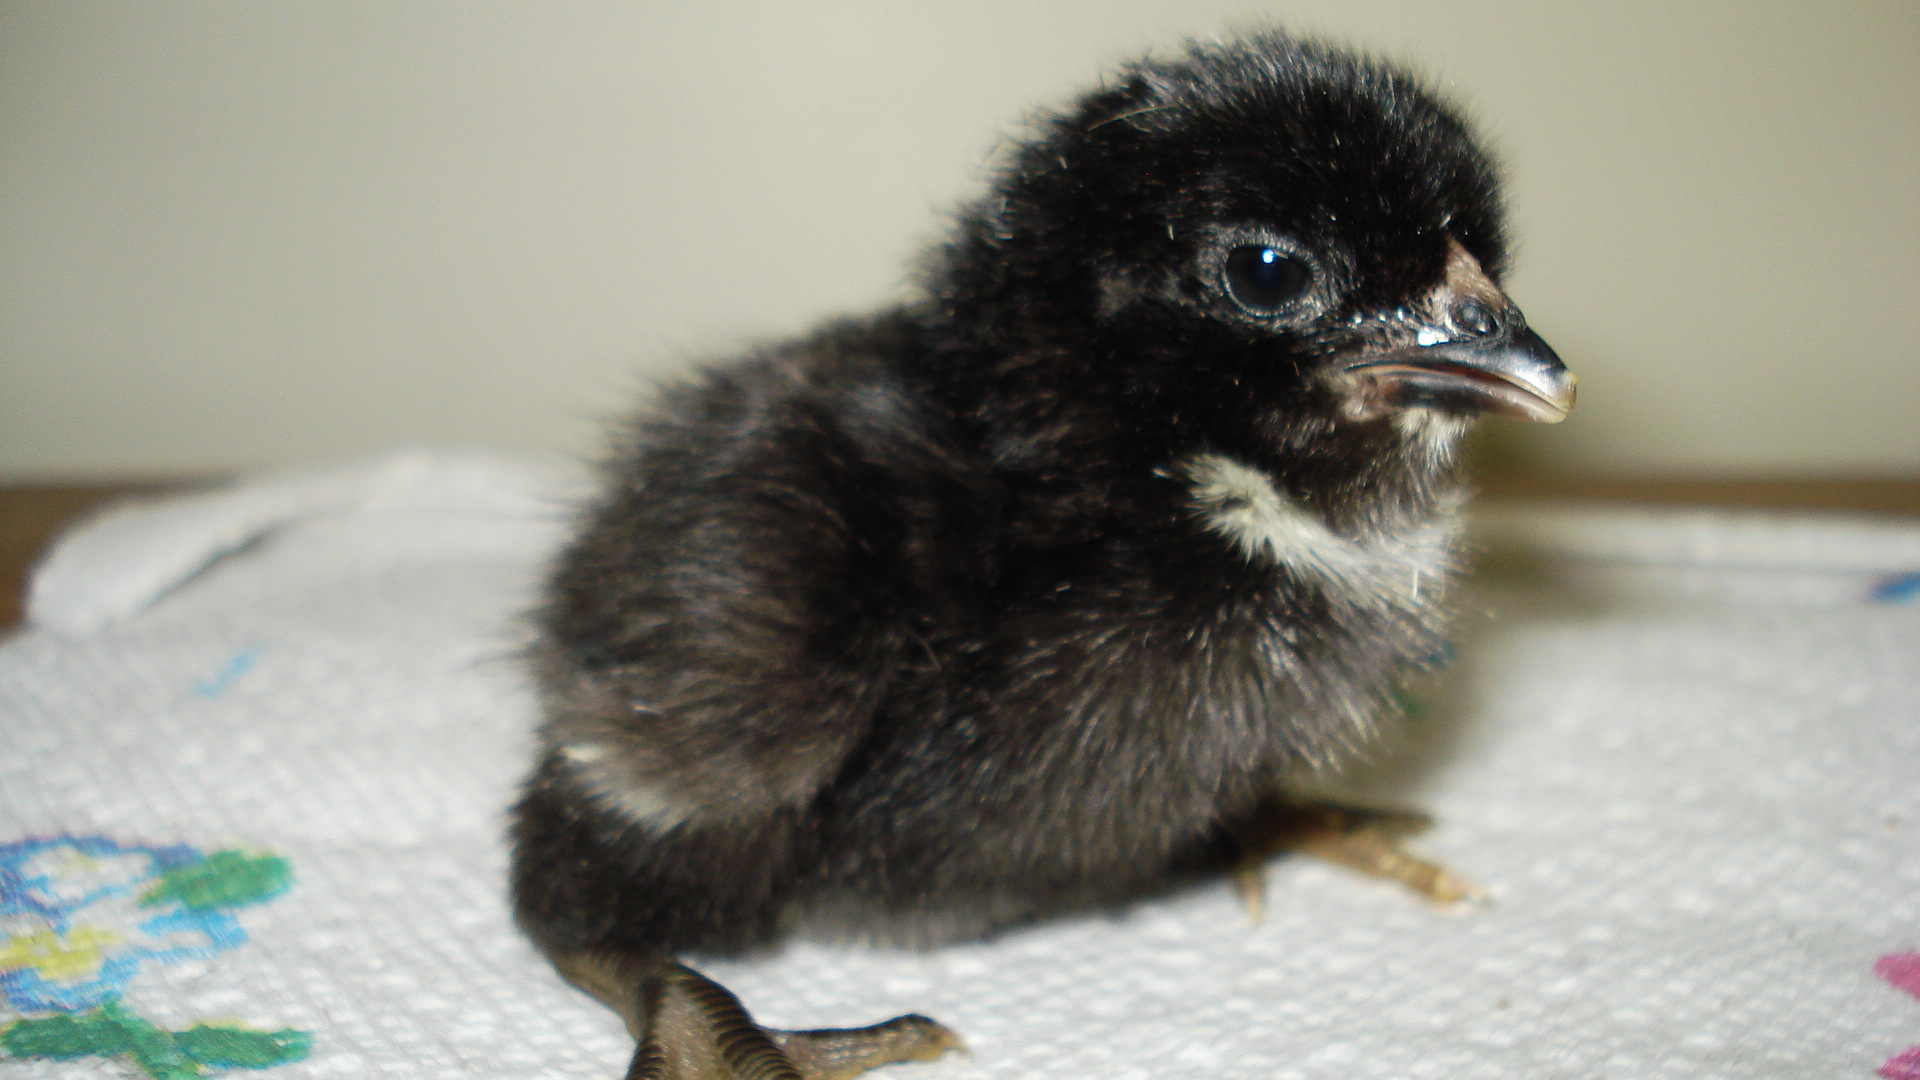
x=80 y=916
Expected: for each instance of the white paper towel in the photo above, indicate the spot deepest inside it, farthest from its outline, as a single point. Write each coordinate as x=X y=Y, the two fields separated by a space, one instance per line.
x=1680 y=750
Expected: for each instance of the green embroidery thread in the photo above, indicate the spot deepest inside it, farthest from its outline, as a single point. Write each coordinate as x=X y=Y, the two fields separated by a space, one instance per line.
x=222 y=879
x=113 y=1030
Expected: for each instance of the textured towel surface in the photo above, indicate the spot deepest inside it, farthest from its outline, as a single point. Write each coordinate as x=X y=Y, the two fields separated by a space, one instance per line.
x=258 y=745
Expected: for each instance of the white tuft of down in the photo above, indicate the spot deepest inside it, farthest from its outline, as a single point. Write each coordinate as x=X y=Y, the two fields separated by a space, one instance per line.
x=1243 y=504
x=596 y=768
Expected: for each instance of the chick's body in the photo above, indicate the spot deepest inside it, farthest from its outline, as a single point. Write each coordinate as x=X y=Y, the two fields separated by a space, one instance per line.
x=1024 y=596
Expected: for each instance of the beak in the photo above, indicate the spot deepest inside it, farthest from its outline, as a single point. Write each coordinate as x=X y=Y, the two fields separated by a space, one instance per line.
x=1513 y=374
x=1462 y=348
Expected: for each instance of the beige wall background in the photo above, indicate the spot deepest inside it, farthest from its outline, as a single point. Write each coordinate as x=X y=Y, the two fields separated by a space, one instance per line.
x=236 y=233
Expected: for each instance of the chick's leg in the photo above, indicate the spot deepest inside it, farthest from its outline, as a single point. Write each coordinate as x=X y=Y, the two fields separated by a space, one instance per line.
x=692 y=1028
x=1360 y=839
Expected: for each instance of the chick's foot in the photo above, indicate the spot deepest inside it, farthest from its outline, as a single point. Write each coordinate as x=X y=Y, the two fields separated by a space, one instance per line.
x=842 y=1053
x=692 y=1028
x=1358 y=838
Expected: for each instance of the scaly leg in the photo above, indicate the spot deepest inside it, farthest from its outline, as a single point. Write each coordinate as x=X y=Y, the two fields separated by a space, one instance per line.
x=692 y=1028
x=1354 y=837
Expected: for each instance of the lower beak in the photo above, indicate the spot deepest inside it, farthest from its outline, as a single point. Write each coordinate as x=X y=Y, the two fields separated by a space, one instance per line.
x=1514 y=374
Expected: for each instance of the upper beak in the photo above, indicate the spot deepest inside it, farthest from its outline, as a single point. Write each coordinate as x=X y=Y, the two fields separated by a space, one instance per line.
x=1470 y=351
x=1512 y=373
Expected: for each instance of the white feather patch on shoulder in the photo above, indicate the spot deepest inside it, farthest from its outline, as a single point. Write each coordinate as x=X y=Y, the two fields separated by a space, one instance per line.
x=1242 y=504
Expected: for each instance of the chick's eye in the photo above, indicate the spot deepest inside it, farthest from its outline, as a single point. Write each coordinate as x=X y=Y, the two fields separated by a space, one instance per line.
x=1263 y=279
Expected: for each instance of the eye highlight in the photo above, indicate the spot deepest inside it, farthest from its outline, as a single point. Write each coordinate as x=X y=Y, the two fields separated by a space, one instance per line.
x=1264 y=279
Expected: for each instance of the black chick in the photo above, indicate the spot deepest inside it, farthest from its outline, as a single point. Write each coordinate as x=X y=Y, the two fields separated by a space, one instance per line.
x=1024 y=596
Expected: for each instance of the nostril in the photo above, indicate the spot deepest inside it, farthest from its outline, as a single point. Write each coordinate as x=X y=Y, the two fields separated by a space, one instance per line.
x=1472 y=317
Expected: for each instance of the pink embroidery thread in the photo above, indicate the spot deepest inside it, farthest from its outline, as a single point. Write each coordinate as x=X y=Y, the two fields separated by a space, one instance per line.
x=1901 y=970
x=1904 y=1065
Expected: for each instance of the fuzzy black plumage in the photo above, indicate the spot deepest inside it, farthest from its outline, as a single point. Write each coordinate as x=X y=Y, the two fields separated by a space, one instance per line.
x=1025 y=595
